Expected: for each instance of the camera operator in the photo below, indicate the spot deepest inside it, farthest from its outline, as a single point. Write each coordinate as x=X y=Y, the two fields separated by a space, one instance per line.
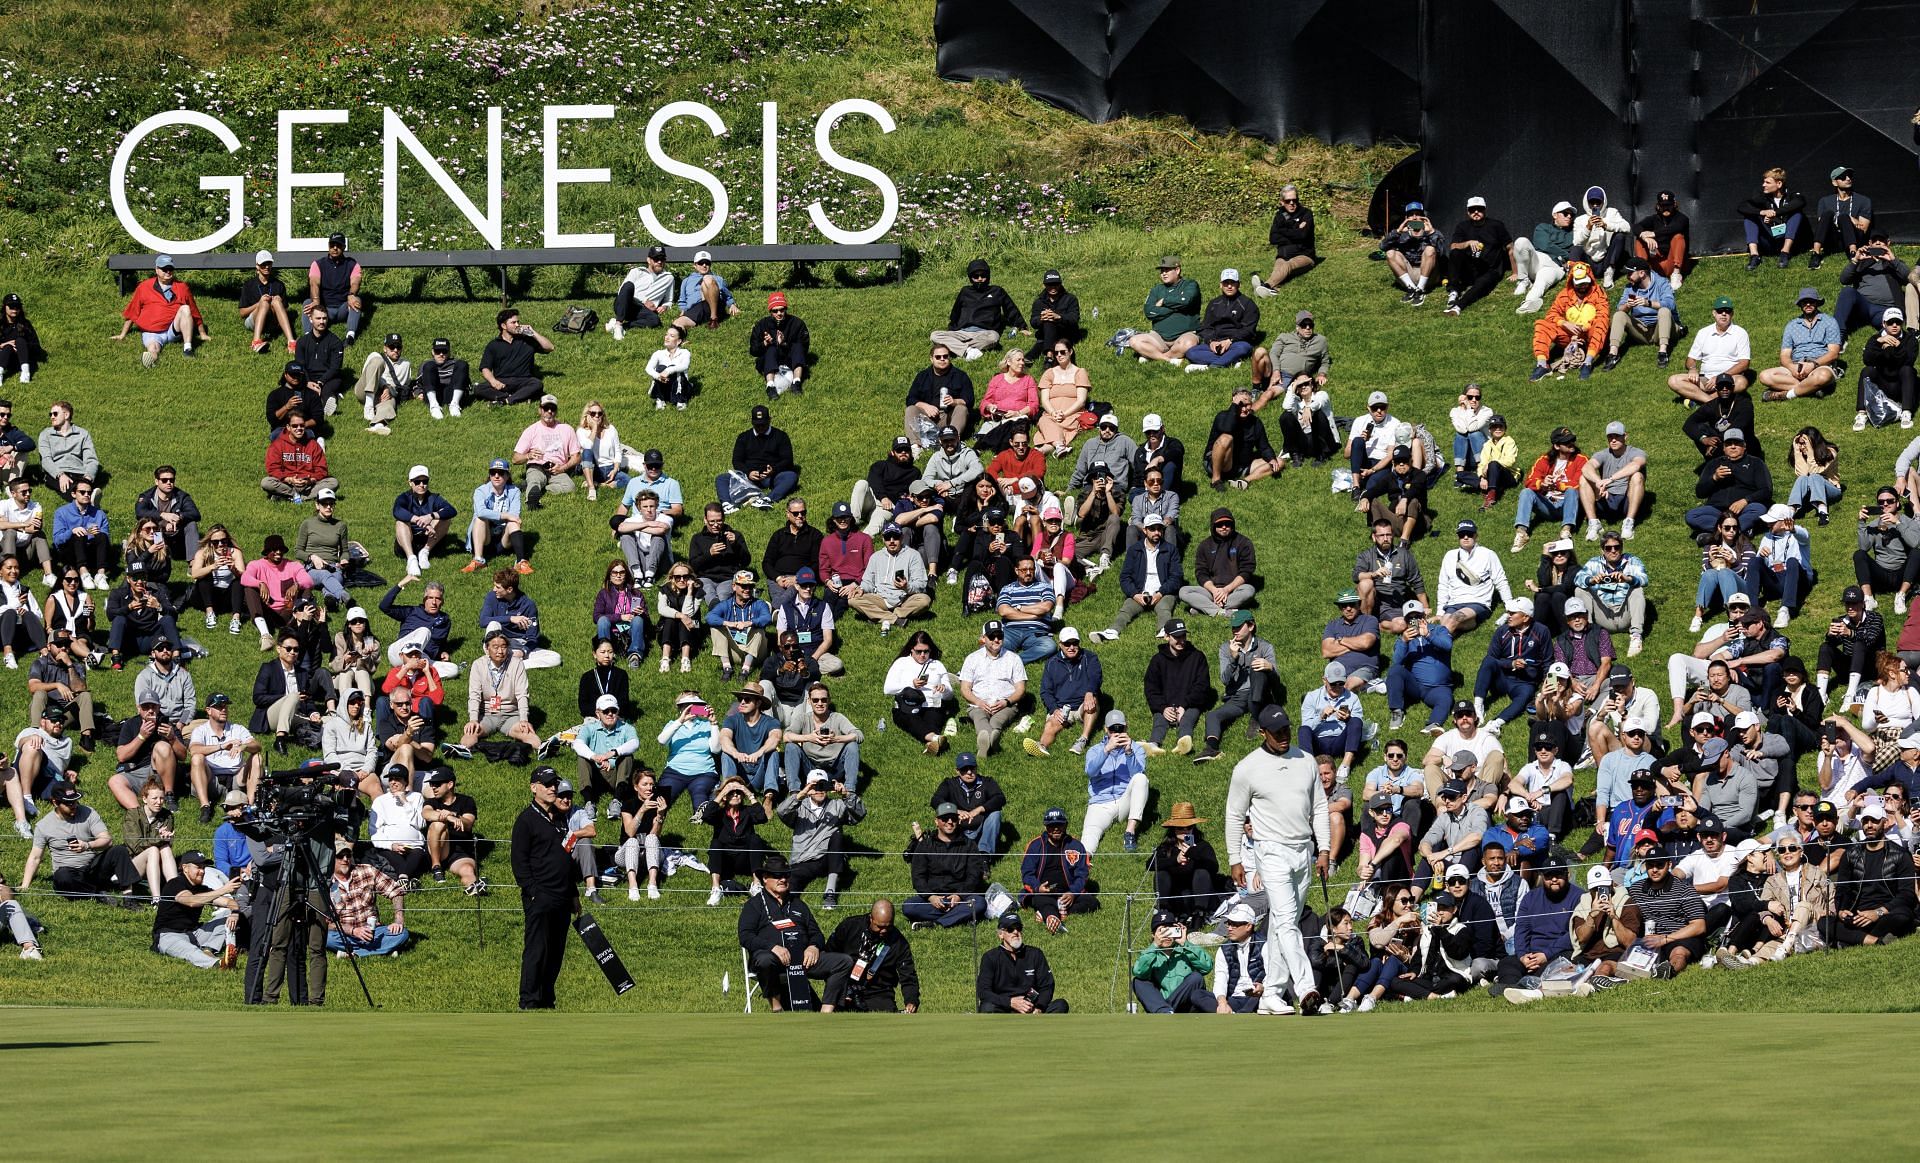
x=291 y=839
x=1871 y=285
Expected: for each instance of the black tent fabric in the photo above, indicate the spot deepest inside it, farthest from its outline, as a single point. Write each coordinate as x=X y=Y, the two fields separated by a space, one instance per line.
x=1524 y=102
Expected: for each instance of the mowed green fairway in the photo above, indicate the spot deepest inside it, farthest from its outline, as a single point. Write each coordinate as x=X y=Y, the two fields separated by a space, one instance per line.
x=711 y=1086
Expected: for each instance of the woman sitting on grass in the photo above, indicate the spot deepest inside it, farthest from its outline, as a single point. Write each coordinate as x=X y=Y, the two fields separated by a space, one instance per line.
x=737 y=848
x=678 y=605
x=1063 y=400
x=149 y=834
x=215 y=569
x=146 y=543
x=600 y=455
x=1394 y=938
x=920 y=687
x=1725 y=565
x=1816 y=473
x=620 y=612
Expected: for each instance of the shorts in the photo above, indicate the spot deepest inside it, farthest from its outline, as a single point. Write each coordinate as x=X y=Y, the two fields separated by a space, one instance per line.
x=162 y=338
x=1365 y=671
x=499 y=722
x=698 y=312
x=136 y=777
x=1479 y=611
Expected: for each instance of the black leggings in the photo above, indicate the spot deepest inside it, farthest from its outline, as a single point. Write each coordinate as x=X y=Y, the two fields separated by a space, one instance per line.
x=215 y=599
x=19 y=632
x=630 y=312
x=1302 y=445
x=923 y=722
x=674 y=635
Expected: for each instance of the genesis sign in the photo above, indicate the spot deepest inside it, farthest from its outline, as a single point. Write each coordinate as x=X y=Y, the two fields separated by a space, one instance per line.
x=487 y=221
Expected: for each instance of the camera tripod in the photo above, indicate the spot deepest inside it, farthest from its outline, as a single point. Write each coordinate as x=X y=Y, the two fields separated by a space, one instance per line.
x=301 y=900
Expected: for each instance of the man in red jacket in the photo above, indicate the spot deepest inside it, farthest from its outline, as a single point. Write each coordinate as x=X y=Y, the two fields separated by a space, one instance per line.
x=297 y=464
x=164 y=310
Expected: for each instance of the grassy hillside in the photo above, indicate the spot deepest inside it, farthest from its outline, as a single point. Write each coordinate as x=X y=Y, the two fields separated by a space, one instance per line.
x=955 y=145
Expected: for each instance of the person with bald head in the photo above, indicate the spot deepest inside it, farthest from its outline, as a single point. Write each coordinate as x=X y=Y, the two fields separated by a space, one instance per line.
x=882 y=963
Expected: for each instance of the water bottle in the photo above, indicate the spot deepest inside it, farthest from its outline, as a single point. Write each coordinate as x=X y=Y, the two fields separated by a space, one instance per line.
x=880 y=725
x=1096 y=312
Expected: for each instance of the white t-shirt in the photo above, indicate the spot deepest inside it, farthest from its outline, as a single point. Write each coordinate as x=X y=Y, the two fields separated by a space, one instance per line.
x=1380 y=443
x=1703 y=869
x=1483 y=744
x=606 y=450
x=1536 y=781
x=55 y=753
x=993 y=678
x=1719 y=350
x=398 y=820
x=224 y=762
x=14 y=513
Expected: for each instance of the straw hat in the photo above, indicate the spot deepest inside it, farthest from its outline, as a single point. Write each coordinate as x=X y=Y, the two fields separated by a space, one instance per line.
x=1183 y=817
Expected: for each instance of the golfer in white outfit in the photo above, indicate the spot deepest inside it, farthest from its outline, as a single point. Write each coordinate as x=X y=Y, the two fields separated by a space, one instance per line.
x=1277 y=789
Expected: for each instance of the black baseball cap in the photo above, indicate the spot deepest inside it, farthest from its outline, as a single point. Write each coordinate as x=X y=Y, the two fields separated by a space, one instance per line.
x=657 y=251
x=1274 y=720
x=1010 y=921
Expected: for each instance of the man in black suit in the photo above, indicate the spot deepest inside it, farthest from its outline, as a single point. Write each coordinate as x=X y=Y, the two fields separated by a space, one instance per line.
x=549 y=889
x=287 y=686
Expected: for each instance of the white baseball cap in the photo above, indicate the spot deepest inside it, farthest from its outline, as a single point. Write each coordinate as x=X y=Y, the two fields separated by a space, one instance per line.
x=606 y=703
x=1151 y=422
x=1575 y=605
x=1777 y=513
x=1476 y=201
x=1459 y=870
x=1703 y=719
x=1599 y=876
x=1563 y=207
x=1229 y=275
x=1518 y=804
x=1521 y=606
x=1746 y=719
x=1376 y=398
x=418 y=470
x=1067 y=634
x=262 y=257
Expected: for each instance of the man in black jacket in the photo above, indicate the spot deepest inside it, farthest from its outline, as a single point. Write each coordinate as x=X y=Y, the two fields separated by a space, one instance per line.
x=1157 y=450
x=1238 y=451
x=1732 y=482
x=1873 y=890
x=1479 y=253
x=174 y=510
x=882 y=962
x=763 y=469
x=778 y=344
x=1222 y=569
x=1227 y=329
x=1015 y=978
x=1477 y=915
x=138 y=615
x=1056 y=316
x=885 y=490
x=783 y=941
x=949 y=874
x=549 y=891
x=792 y=547
x=1661 y=238
x=982 y=313
x=287 y=685
x=1178 y=688
x=978 y=798
x=1291 y=236
x=716 y=553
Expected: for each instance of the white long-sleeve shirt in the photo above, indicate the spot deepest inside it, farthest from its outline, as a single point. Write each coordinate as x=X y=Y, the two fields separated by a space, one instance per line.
x=1282 y=795
x=664 y=362
x=904 y=670
x=1471 y=578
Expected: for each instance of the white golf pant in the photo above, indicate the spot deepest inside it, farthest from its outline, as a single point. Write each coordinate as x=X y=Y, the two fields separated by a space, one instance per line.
x=1684 y=670
x=1541 y=273
x=1131 y=805
x=1285 y=872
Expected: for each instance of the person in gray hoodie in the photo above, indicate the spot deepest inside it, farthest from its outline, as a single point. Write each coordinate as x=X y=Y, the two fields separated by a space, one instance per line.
x=66 y=450
x=817 y=814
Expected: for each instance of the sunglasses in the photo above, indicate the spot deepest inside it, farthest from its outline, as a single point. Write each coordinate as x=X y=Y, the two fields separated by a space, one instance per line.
x=595 y=412
x=1473 y=397
x=70 y=579
x=164 y=480
x=941 y=357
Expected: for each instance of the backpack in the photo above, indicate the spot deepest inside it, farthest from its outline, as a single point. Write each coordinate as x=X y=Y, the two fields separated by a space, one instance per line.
x=505 y=751
x=578 y=321
x=1881 y=410
x=979 y=594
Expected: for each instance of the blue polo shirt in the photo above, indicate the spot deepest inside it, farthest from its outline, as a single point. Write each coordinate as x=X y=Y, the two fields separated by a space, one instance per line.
x=1810 y=343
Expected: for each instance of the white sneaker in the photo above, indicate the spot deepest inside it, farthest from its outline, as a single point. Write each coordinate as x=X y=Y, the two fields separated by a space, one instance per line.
x=633 y=893
x=1107 y=635
x=453 y=409
x=1593 y=528
x=100 y=580
x=1859 y=421
x=713 y=898
x=1906 y=419
x=1273 y=1003
x=379 y=429
x=659 y=405
x=1175 y=363
x=366 y=410
x=1781 y=617
x=1024 y=725
x=1694 y=626
x=434 y=410
x=332 y=406
x=26 y=377
x=48 y=580
x=1634 y=646
x=1198 y=367
x=1606 y=279
x=1528 y=307
x=679 y=407
x=233 y=627
x=1676 y=280
x=1626 y=529
x=970 y=353
x=23 y=829
x=30 y=952
x=1521 y=997
x=1480 y=708
x=1900 y=603
x=212 y=619
x=653 y=892
x=1520 y=289
x=953 y=577
x=1872 y=603
x=1366 y=1005
x=616 y=329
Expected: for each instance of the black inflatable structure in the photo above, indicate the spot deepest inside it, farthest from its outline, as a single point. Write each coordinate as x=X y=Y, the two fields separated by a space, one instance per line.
x=1524 y=102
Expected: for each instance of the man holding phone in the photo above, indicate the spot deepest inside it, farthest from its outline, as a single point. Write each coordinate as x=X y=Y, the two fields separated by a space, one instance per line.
x=508 y=374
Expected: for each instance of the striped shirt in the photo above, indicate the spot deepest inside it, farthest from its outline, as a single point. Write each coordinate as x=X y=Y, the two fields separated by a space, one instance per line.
x=1032 y=594
x=1664 y=911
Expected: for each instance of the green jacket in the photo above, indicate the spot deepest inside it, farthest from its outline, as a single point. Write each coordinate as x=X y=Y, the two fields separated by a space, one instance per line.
x=319 y=536
x=1174 y=310
x=1165 y=969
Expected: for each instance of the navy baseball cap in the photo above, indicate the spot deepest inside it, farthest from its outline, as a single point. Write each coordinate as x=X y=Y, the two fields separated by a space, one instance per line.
x=965 y=760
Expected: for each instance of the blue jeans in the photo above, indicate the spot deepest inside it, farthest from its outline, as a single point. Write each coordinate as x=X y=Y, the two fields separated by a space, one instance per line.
x=328 y=580
x=1404 y=690
x=1332 y=737
x=1813 y=490
x=1467 y=446
x=1723 y=582
x=1032 y=641
x=1530 y=500
x=338 y=313
x=699 y=787
x=1379 y=973
x=599 y=474
x=1766 y=240
x=986 y=836
x=1853 y=311
x=1189 y=997
x=972 y=907
x=1236 y=351
x=776 y=490
x=1785 y=585
x=635 y=628
x=764 y=775
x=1492 y=683
x=1702 y=518
x=379 y=944
x=846 y=768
